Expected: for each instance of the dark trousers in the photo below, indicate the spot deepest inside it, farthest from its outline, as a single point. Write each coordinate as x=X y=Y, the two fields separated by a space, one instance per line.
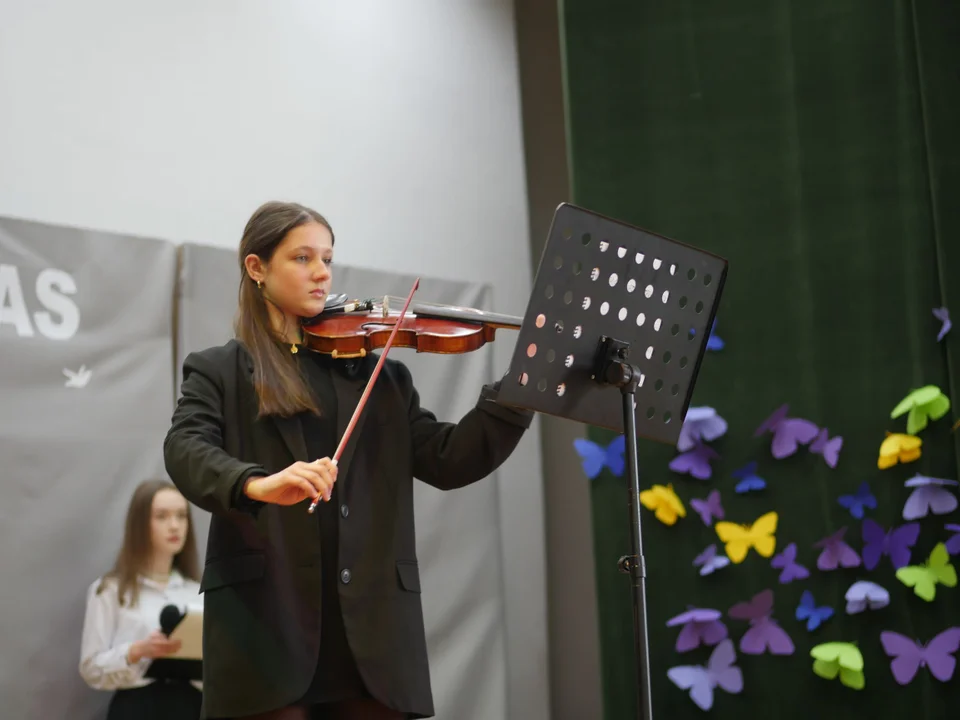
x=360 y=709
x=160 y=700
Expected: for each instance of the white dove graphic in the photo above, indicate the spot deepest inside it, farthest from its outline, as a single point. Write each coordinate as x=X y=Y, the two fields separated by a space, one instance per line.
x=78 y=379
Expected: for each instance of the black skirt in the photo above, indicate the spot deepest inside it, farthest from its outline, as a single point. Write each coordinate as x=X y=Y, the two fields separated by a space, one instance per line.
x=160 y=700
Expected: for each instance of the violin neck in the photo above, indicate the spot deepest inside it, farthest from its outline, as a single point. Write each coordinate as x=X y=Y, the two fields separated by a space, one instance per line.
x=454 y=312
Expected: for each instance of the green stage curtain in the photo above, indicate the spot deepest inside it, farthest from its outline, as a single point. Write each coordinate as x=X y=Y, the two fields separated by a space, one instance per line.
x=815 y=144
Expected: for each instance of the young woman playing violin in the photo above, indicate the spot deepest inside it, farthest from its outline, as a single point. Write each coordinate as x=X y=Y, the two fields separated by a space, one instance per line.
x=313 y=615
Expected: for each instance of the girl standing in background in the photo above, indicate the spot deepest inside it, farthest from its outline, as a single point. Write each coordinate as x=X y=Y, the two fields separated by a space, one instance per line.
x=156 y=566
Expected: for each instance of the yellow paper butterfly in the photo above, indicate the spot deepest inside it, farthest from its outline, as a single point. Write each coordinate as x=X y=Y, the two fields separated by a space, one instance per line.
x=924 y=578
x=664 y=502
x=740 y=538
x=898 y=447
x=839 y=658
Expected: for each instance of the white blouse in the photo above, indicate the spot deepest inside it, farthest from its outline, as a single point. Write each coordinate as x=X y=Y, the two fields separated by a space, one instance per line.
x=109 y=629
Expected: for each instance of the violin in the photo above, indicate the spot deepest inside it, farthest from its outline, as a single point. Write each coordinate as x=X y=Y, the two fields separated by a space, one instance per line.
x=354 y=328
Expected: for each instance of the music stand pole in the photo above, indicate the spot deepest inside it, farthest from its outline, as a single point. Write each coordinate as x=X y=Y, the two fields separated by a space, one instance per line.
x=614 y=369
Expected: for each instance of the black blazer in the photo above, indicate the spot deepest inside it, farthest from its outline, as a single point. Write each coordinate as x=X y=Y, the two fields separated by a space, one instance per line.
x=261 y=580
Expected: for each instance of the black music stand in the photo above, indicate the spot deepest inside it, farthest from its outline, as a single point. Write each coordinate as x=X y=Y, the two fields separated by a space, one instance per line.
x=616 y=311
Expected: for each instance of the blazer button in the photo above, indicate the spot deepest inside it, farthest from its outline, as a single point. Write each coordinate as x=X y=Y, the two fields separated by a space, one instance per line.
x=344 y=510
x=345 y=576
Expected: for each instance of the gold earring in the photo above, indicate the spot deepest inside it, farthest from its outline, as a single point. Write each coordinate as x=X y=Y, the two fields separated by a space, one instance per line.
x=259 y=284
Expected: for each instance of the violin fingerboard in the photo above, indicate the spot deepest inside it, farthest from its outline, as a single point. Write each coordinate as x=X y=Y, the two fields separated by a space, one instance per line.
x=602 y=279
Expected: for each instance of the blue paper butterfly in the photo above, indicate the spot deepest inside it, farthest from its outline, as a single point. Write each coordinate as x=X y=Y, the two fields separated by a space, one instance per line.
x=713 y=341
x=594 y=457
x=863 y=498
x=808 y=610
x=749 y=480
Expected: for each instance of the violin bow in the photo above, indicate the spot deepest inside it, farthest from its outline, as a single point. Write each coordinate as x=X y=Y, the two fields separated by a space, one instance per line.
x=369 y=387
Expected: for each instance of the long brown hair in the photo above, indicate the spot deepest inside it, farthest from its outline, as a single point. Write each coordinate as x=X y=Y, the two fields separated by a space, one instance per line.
x=137 y=549
x=280 y=387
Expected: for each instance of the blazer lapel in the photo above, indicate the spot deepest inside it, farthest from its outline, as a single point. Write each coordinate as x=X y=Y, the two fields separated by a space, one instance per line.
x=292 y=433
x=348 y=397
x=290 y=428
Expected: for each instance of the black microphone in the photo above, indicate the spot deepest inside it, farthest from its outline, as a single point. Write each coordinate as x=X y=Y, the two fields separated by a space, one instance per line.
x=170 y=617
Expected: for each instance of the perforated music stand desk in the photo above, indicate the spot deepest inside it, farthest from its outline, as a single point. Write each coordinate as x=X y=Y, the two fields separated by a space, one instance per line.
x=613 y=336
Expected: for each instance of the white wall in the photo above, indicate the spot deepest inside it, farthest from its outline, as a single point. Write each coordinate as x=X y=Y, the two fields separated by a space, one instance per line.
x=399 y=121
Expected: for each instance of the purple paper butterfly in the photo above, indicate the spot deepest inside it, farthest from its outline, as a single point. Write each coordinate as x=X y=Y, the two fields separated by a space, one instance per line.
x=788 y=433
x=863 y=595
x=696 y=462
x=708 y=560
x=895 y=544
x=829 y=448
x=764 y=633
x=701 y=626
x=709 y=507
x=836 y=553
x=702 y=681
x=930 y=496
x=701 y=424
x=855 y=503
x=909 y=656
x=953 y=543
x=787 y=561
x=943 y=315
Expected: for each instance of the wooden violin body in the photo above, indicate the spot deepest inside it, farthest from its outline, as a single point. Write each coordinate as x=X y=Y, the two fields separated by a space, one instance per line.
x=441 y=329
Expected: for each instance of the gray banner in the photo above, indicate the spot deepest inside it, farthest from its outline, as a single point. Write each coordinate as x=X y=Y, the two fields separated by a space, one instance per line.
x=85 y=352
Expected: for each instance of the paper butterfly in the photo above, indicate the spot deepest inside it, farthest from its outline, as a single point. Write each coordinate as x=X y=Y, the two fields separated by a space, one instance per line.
x=927 y=403
x=702 y=424
x=898 y=447
x=714 y=342
x=943 y=315
x=829 y=448
x=843 y=658
x=807 y=610
x=764 y=633
x=930 y=496
x=953 y=543
x=664 y=502
x=788 y=433
x=696 y=462
x=836 y=553
x=863 y=595
x=895 y=544
x=787 y=561
x=708 y=561
x=857 y=502
x=749 y=480
x=924 y=578
x=909 y=655
x=594 y=457
x=701 y=681
x=709 y=507
x=701 y=626
x=740 y=538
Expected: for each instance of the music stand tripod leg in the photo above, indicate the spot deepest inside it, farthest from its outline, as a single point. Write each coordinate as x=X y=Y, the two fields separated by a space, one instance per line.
x=613 y=369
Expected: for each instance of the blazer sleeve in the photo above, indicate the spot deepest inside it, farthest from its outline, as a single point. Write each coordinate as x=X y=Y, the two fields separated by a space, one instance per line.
x=452 y=455
x=193 y=450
